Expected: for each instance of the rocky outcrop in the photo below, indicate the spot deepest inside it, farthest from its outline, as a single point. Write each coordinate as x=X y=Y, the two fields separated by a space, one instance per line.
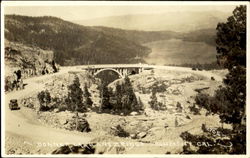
x=77 y=123
x=72 y=149
x=65 y=120
x=28 y=60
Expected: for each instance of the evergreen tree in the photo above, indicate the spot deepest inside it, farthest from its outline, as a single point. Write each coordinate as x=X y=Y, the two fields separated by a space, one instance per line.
x=153 y=102
x=118 y=97
x=75 y=97
x=229 y=102
x=129 y=100
x=231 y=46
x=231 y=39
x=105 y=96
x=122 y=100
x=87 y=100
x=55 y=69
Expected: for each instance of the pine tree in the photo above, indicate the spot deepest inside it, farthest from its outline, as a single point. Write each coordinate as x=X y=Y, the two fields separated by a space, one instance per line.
x=231 y=49
x=153 y=102
x=118 y=96
x=129 y=100
x=229 y=102
x=87 y=100
x=75 y=97
x=105 y=96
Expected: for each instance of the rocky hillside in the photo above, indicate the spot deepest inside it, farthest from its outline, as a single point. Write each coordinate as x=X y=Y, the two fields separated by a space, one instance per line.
x=30 y=60
x=151 y=132
x=73 y=44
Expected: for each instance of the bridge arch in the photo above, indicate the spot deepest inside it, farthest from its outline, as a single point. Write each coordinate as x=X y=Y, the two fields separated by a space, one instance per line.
x=109 y=69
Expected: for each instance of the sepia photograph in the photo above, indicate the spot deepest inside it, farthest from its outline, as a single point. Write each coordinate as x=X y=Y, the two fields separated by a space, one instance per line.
x=130 y=78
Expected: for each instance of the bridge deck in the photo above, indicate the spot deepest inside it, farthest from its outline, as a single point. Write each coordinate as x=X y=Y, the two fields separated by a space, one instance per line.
x=105 y=66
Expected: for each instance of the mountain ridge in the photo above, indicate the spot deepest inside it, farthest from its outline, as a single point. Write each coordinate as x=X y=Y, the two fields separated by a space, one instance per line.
x=64 y=38
x=173 y=21
x=74 y=44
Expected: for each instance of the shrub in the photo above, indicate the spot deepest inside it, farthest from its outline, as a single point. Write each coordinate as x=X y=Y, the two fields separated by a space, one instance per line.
x=227 y=143
x=44 y=100
x=153 y=102
x=194 y=110
x=62 y=107
x=194 y=68
x=119 y=131
x=161 y=106
x=159 y=87
x=179 y=107
x=202 y=99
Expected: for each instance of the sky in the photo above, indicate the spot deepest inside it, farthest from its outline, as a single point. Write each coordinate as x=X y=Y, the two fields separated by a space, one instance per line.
x=84 y=12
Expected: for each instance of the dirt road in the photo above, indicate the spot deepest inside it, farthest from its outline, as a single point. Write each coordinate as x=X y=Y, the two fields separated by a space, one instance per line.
x=21 y=124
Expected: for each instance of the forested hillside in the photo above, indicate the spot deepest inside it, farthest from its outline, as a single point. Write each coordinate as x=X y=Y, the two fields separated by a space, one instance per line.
x=139 y=36
x=203 y=35
x=73 y=44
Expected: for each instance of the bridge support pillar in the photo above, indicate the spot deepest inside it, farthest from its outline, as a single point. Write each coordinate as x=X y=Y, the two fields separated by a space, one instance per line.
x=122 y=72
x=126 y=72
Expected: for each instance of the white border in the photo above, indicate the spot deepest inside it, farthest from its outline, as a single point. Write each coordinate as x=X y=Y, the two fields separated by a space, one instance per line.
x=118 y=3
x=2 y=86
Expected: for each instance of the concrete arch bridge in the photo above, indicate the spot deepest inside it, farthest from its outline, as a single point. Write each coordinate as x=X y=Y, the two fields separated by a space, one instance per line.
x=121 y=69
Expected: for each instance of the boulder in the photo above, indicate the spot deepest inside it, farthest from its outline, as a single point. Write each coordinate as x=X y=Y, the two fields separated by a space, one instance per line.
x=134 y=113
x=83 y=125
x=133 y=136
x=119 y=131
x=71 y=149
x=141 y=135
x=80 y=124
